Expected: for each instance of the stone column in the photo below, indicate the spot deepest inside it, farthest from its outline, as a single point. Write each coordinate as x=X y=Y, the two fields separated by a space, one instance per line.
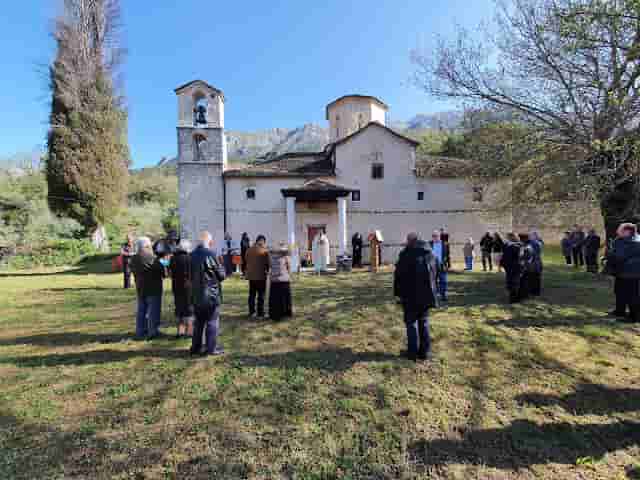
x=291 y=232
x=342 y=225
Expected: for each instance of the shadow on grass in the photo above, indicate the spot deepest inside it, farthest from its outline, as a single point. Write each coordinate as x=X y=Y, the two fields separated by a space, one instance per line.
x=525 y=443
x=95 y=357
x=65 y=339
x=35 y=451
x=589 y=398
x=329 y=360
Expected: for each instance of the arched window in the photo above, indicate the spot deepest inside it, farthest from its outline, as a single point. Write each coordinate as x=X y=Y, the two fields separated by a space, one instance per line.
x=199 y=147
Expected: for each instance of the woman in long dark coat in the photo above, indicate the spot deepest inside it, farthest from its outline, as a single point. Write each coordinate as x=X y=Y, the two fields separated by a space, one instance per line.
x=512 y=267
x=280 y=305
x=245 y=244
x=180 y=266
x=357 y=244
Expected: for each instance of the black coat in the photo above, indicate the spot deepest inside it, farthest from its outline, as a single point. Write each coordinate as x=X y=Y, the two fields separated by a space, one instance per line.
x=577 y=239
x=206 y=278
x=180 y=267
x=498 y=245
x=415 y=277
x=148 y=272
x=623 y=260
x=357 y=242
x=512 y=265
x=486 y=244
x=245 y=244
x=592 y=245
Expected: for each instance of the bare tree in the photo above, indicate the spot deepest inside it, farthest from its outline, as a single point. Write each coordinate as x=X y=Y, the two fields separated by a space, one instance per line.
x=569 y=70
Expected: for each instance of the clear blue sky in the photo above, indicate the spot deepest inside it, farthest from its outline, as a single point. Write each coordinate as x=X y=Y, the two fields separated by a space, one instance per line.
x=278 y=62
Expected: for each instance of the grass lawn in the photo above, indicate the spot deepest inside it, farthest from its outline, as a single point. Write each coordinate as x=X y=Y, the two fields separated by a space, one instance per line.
x=547 y=389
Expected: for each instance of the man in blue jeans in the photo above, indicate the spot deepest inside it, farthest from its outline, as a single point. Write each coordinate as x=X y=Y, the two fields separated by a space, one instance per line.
x=207 y=274
x=415 y=285
x=149 y=273
x=438 y=249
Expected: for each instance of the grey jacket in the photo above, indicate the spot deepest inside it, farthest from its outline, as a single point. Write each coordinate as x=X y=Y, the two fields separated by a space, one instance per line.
x=280 y=266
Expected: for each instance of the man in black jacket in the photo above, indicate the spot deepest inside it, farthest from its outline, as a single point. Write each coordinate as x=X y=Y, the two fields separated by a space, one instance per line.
x=623 y=261
x=591 y=249
x=415 y=286
x=486 y=246
x=577 y=246
x=206 y=277
x=513 y=267
x=148 y=271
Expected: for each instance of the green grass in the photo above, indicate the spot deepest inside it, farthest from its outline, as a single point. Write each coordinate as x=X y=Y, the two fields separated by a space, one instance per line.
x=547 y=389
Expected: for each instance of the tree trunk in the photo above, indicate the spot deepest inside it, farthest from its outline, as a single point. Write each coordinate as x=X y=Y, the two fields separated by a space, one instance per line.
x=621 y=205
x=99 y=239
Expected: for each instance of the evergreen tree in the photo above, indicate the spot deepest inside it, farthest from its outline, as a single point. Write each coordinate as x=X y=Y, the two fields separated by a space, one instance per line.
x=88 y=154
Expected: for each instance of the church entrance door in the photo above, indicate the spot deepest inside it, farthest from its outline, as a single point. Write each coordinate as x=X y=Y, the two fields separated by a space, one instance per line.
x=313 y=231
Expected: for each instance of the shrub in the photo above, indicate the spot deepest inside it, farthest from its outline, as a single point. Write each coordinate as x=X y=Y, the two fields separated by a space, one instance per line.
x=53 y=253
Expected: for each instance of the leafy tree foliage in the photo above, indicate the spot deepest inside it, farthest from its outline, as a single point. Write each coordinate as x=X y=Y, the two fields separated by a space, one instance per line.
x=88 y=154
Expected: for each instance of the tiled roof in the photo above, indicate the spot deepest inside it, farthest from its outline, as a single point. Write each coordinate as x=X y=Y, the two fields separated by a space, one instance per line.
x=205 y=84
x=365 y=97
x=316 y=164
x=376 y=124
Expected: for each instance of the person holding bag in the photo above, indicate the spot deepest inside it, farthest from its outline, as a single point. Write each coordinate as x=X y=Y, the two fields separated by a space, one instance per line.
x=207 y=276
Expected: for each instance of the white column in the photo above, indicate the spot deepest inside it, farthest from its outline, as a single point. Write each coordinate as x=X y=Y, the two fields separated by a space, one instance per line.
x=342 y=225
x=291 y=232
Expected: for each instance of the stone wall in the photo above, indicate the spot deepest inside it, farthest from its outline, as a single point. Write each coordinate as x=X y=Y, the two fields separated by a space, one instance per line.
x=200 y=200
x=214 y=149
x=351 y=114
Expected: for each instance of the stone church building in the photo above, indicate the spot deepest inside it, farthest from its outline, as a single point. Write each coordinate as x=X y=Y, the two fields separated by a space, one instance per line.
x=367 y=178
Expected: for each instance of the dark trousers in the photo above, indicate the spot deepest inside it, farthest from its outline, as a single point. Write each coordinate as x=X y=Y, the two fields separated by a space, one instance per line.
x=148 y=316
x=578 y=257
x=592 y=262
x=523 y=292
x=486 y=258
x=628 y=296
x=442 y=284
x=514 y=281
x=257 y=288
x=208 y=321
x=126 y=269
x=567 y=258
x=357 y=257
x=416 y=319
x=535 y=283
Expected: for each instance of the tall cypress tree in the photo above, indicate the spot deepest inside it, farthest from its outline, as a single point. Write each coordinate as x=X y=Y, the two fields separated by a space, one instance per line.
x=88 y=153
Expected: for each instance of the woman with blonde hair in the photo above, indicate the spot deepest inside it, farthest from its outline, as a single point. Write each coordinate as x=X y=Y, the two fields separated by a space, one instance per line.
x=280 y=289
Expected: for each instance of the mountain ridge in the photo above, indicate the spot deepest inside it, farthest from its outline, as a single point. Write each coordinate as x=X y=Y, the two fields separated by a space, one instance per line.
x=244 y=147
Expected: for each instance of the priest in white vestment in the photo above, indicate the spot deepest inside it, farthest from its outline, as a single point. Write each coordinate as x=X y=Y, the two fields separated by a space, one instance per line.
x=320 y=252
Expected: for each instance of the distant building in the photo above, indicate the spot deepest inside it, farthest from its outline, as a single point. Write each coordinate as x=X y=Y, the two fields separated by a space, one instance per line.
x=367 y=178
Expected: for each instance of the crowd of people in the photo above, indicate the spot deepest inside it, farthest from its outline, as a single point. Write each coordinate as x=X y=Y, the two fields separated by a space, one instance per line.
x=196 y=281
x=420 y=278
x=580 y=249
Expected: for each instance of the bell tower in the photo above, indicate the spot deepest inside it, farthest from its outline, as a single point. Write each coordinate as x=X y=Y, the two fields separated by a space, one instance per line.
x=202 y=159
